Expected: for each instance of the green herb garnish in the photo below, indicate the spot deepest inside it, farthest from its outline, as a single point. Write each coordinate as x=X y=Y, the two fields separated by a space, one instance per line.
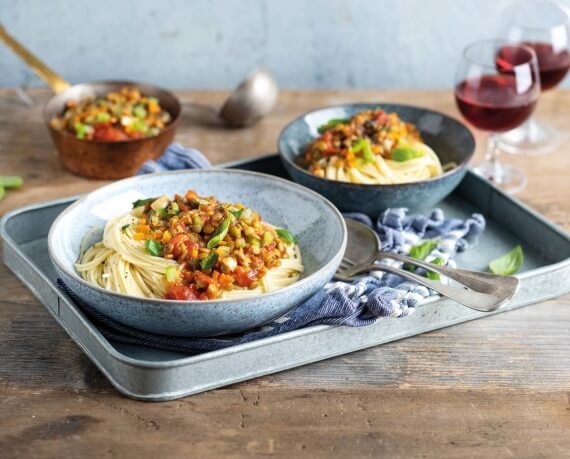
x=509 y=263
x=2 y=192
x=209 y=261
x=103 y=117
x=402 y=154
x=170 y=273
x=173 y=209
x=363 y=145
x=332 y=123
x=237 y=213
x=153 y=247
x=220 y=233
x=142 y=202
x=124 y=227
x=420 y=252
x=13 y=181
x=80 y=130
x=432 y=275
x=286 y=236
x=139 y=111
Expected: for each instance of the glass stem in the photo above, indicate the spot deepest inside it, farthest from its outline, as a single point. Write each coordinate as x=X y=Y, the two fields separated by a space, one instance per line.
x=492 y=157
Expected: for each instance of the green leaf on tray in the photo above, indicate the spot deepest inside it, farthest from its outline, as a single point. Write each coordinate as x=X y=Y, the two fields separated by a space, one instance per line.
x=509 y=263
x=286 y=236
x=420 y=252
x=432 y=275
x=153 y=247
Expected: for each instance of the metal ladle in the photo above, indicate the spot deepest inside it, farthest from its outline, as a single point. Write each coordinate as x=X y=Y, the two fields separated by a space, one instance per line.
x=253 y=99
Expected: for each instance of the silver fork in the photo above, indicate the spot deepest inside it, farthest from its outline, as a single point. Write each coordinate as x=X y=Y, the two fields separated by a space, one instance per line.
x=480 y=291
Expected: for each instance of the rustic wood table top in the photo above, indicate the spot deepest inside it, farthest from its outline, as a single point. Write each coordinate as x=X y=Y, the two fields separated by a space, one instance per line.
x=495 y=387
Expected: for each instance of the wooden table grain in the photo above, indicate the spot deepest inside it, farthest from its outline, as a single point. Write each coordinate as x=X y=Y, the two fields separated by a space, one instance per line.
x=496 y=387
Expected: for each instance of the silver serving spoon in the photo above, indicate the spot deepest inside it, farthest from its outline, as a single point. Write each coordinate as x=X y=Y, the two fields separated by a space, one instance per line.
x=481 y=291
x=253 y=99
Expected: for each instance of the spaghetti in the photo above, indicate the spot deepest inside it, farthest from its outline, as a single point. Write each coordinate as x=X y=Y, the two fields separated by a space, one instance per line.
x=373 y=147
x=191 y=248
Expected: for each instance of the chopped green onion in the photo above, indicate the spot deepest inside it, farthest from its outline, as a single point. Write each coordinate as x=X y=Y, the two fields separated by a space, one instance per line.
x=103 y=117
x=139 y=111
x=202 y=202
x=209 y=261
x=80 y=130
x=220 y=233
x=11 y=181
x=139 y=126
x=170 y=273
x=364 y=146
x=173 y=209
x=509 y=263
x=286 y=236
x=2 y=192
x=142 y=202
x=332 y=123
x=402 y=154
x=153 y=247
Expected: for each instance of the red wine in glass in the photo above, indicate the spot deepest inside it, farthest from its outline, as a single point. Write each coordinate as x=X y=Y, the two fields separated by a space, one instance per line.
x=552 y=66
x=492 y=103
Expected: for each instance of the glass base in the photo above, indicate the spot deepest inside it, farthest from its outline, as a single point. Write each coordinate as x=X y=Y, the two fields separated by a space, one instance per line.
x=508 y=178
x=532 y=138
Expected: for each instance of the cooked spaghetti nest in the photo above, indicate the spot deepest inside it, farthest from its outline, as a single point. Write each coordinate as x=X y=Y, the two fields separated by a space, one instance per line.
x=191 y=248
x=373 y=147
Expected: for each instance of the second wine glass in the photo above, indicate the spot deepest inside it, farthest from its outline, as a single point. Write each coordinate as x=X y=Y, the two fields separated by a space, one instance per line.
x=497 y=87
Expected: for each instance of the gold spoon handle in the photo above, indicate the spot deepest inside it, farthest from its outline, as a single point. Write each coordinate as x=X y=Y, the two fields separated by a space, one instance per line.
x=54 y=81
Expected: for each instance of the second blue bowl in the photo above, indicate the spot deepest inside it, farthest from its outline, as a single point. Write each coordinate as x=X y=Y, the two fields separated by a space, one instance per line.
x=450 y=139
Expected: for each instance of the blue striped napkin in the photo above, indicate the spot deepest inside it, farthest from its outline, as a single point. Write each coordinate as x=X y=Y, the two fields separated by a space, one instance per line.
x=351 y=304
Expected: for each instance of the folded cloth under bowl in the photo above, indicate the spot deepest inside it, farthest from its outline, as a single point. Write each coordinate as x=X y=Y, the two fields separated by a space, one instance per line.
x=351 y=304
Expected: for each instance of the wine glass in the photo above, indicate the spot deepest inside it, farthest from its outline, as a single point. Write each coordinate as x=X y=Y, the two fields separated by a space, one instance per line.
x=544 y=27
x=496 y=88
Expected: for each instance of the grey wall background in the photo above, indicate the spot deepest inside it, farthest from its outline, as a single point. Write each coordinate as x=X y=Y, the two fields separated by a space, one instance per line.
x=214 y=43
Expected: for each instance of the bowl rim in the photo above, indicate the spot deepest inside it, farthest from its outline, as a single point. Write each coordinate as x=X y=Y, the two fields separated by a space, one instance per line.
x=76 y=277
x=64 y=133
x=367 y=186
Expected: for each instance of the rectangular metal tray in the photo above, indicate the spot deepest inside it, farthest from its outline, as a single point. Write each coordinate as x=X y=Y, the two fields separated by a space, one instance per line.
x=147 y=374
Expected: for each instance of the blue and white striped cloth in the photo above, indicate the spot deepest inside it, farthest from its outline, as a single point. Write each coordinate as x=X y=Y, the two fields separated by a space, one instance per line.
x=351 y=304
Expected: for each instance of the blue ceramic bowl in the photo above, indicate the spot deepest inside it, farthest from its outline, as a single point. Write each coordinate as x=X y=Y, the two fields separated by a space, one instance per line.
x=450 y=139
x=319 y=227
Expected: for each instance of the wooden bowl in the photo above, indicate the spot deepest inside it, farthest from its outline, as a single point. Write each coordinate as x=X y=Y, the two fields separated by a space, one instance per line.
x=109 y=160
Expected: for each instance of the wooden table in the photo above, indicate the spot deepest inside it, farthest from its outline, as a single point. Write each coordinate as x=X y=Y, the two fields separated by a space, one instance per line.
x=496 y=387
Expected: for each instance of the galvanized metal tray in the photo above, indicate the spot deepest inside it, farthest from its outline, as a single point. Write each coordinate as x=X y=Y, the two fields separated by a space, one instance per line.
x=147 y=374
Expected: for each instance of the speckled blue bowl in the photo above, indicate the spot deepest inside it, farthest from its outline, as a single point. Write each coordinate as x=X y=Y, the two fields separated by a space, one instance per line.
x=318 y=225
x=450 y=139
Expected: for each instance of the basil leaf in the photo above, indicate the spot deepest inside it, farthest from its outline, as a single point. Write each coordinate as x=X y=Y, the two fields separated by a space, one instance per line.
x=286 y=236
x=420 y=252
x=153 y=247
x=142 y=202
x=332 y=123
x=509 y=263
x=220 y=233
x=432 y=275
x=237 y=213
x=209 y=261
x=402 y=154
